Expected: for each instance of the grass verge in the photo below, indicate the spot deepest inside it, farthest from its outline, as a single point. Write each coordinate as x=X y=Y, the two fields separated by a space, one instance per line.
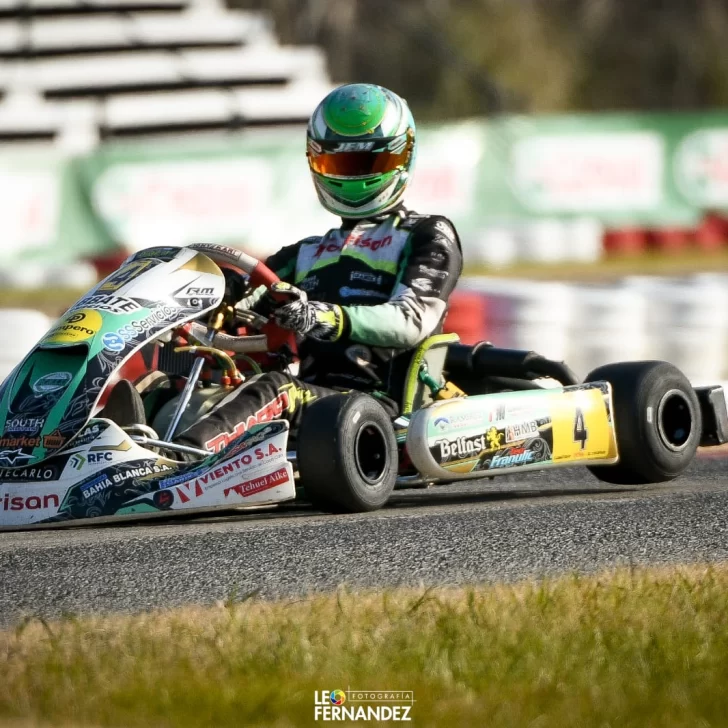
x=628 y=648
x=615 y=266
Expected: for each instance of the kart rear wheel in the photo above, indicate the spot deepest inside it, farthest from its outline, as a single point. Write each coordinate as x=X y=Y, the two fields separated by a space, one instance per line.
x=657 y=422
x=347 y=453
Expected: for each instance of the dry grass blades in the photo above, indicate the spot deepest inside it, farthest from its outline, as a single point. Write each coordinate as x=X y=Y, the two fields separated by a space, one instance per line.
x=630 y=648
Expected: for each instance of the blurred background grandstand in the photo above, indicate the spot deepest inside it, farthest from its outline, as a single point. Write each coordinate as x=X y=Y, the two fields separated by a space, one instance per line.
x=559 y=135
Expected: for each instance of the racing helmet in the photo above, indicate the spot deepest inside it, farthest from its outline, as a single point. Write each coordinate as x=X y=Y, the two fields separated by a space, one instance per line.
x=361 y=150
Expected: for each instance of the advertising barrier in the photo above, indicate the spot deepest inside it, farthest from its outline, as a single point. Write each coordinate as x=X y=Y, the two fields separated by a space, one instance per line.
x=254 y=189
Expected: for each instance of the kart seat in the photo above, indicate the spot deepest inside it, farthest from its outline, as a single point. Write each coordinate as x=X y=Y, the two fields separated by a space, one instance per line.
x=124 y=405
x=425 y=370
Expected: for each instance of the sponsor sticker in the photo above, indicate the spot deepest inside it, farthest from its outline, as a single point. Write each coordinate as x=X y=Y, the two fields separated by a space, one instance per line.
x=354 y=147
x=497 y=413
x=257 y=485
x=196 y=296
x=52 y=382
x=75 y=328
x=175 y=479
x=143 y=471
x=109 y=303
x=198 y=291
x=163 y=499
x=14 y=457
x=125 y=274
x=24 y=424
x=135 y=329
x=347 y=292
x=97 y=485
x=285 y=401
x=309 y=283
x=89 y=434
x=463 y=448
x=367 y=277
x=521 y=431
x=80 y=460
x=355 y=240
x=232 y=254
x=160 y=253
x=54 y=440
x=195 y=487
x=511 y=457
x=458 y=420
x=30 y=503
x=113 y=342
x=422 y=284
x=444 y=229
x=41 y=473
x=432 y=272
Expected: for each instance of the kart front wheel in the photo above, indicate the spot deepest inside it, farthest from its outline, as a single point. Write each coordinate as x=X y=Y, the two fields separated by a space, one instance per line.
x=347 y=453
x=656 y=418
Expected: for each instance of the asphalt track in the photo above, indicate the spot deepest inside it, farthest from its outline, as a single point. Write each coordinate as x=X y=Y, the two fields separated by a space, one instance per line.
x=505 y=529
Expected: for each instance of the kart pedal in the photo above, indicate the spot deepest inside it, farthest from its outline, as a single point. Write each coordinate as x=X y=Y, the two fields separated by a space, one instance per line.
x=124 y=405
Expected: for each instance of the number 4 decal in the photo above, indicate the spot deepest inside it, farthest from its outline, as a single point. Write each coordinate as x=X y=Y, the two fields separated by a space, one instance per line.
x=581 y=434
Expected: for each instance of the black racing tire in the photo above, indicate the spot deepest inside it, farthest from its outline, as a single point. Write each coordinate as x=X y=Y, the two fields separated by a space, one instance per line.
x=347 y=453
x=656 y=418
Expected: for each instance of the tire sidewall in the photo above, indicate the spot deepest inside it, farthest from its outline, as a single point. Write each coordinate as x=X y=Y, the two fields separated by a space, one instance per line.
x=670 y=462
x=638 y=389
x=359 y=413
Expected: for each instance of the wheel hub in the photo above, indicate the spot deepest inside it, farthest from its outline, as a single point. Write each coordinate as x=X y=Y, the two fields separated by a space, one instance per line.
x=370 y=452
x=674 y=420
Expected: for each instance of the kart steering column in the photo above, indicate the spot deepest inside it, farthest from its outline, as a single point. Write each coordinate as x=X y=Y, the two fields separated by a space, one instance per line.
x=187 y=391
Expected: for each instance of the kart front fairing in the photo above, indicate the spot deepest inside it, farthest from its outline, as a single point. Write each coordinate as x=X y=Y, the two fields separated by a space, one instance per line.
x=59 y=463
x=50 y=396
x=105 y=475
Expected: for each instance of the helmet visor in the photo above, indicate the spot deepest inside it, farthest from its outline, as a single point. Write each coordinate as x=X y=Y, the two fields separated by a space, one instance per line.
x=359 y=163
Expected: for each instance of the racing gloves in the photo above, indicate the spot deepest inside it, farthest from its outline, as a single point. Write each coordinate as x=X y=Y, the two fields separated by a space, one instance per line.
x=290 y=308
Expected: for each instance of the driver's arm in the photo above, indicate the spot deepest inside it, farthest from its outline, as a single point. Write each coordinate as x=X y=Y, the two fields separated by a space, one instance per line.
x=283 y=262
x=427 y=275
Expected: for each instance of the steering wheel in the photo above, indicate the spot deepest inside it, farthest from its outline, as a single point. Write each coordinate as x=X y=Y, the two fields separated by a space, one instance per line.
x=272 y=337
x=238 y=262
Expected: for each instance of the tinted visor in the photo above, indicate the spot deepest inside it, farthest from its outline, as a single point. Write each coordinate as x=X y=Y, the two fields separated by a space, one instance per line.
x=347 y=163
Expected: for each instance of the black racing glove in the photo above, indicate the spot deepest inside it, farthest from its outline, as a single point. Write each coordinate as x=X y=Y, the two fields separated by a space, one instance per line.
x=290 y=308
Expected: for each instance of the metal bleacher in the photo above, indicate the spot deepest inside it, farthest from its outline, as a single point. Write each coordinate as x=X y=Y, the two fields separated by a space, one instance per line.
x=77 y=72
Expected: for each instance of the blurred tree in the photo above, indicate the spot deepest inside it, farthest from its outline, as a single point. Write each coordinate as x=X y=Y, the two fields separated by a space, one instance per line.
x=454 y=58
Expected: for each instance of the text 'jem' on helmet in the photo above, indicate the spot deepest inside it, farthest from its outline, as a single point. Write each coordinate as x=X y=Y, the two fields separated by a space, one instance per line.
x=361 y=150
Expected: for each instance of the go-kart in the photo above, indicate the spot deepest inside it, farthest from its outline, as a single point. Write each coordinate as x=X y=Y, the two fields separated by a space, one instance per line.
x=466 y=411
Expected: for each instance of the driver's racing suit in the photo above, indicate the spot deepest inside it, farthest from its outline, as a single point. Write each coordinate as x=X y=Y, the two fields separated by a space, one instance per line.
x=392 y=276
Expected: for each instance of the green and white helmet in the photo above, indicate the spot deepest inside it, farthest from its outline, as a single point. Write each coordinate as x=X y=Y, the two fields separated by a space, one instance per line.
x=361 y=149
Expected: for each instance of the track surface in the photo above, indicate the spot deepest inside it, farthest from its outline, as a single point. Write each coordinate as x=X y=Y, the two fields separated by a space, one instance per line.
x=505 y=529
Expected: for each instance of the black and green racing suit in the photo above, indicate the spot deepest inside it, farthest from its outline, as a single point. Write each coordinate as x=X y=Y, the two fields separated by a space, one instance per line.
x=392 y=275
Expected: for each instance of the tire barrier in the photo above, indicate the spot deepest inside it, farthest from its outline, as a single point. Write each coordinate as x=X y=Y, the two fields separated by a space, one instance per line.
x=680 y=320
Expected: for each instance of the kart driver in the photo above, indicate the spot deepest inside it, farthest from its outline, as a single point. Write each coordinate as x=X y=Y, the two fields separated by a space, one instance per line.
x=362 y=296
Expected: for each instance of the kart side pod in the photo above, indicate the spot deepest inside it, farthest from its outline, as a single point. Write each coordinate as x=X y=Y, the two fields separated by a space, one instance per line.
x=495 y=434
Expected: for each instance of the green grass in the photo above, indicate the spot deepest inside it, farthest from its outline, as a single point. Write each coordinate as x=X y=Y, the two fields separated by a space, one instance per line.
x=635 y=648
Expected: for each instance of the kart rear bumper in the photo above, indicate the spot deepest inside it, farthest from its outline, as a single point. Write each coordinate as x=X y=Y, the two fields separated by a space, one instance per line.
x=714 y=415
